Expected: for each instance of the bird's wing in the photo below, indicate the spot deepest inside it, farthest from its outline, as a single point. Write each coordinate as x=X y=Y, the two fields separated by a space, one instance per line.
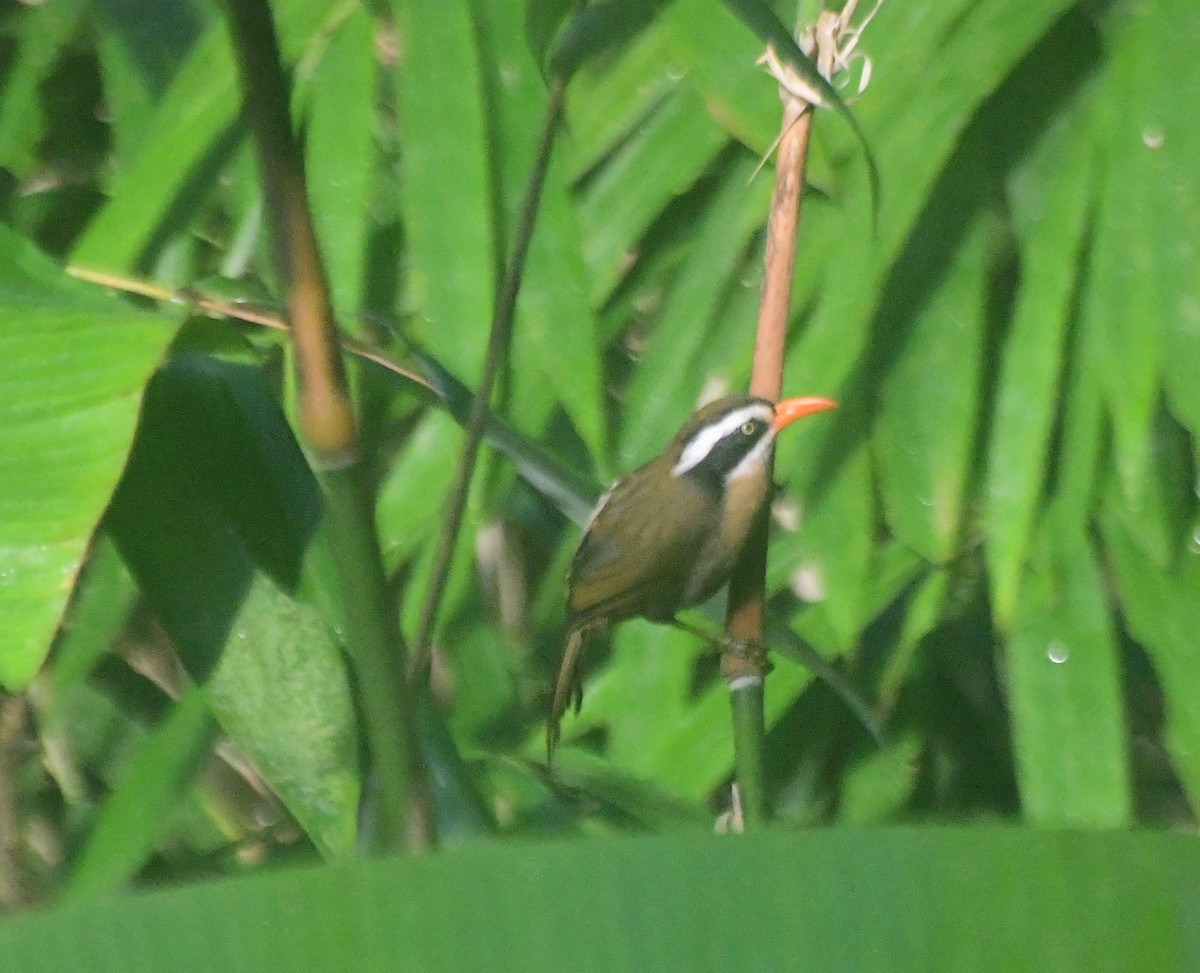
x=636 y=556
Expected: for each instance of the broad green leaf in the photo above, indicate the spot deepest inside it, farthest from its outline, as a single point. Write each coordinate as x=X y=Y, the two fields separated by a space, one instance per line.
x=214 y=516
x=950 y=60
x=1064 y=689
x=984 y=900
x=1173 y=144
x=72 y=367
x=446 y=187
x=597 y=28
x=831 y=555
x=195 y=112
x=410 y=498
x=720 y=61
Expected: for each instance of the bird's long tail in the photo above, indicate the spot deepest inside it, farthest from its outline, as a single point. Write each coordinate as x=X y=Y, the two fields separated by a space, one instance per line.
x=567 y=688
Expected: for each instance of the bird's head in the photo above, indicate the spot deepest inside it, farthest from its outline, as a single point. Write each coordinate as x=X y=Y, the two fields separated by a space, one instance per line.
x=732 y=437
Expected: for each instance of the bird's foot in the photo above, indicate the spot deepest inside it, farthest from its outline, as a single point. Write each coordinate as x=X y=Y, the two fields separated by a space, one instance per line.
x=749 y=650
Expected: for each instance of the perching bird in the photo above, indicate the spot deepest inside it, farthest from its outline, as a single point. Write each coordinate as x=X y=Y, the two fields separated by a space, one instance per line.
x=669 y=534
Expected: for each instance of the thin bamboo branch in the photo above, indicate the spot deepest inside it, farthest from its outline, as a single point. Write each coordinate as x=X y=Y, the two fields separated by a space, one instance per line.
x=497 y=354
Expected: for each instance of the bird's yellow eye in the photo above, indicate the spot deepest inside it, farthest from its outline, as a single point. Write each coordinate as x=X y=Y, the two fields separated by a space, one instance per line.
x=749 y=428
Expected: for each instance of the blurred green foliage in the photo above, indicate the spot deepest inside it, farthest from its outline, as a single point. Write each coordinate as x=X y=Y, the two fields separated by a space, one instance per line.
x=999 y=535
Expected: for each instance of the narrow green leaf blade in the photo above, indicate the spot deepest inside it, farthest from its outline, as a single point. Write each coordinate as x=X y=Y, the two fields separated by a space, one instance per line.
x=446 y=190
x=137 y=813
x=1065 y=689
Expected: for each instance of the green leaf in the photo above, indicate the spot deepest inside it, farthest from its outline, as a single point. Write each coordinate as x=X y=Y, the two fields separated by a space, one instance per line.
x=920 y=899
x=72 y=367
x=340 y=157
x=605 y=105
x=194 y=131
x=1142 y=280
x=45 y=31
x=556 y=351
x=214 y=516
x=1064 y=689
x=599 y=27
x=445 y=186
x=924 y=464
x=137 y=813
x=720 y=60
x=832 y=554
x=663 y=391
x=1162 y=611
x=1051 y=194
x=659 y=161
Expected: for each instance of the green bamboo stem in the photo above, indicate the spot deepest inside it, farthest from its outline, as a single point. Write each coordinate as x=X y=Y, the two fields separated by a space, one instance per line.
x=328 y=425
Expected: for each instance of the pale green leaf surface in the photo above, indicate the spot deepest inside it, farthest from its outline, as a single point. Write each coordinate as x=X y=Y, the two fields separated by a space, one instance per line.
x=410 y=498
x=72 y=368
x=834 y=550
x=719 y=56
x=1063 y=902
x=1064 y=689
x=192 y=124
x=200 y=104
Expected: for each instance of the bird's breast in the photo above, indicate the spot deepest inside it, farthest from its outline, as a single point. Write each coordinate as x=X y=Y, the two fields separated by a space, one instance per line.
x=743 y=500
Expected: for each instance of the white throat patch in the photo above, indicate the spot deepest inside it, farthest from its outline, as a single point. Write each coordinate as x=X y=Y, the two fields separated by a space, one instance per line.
x=701 y=444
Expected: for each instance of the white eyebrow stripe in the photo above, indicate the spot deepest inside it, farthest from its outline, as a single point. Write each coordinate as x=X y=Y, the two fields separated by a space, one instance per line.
x=701 y=444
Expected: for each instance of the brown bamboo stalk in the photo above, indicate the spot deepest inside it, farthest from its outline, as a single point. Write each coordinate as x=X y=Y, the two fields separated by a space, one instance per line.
x=746 y=671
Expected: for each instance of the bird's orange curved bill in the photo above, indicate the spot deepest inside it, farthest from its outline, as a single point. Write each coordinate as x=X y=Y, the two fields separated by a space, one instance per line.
x=789 y=410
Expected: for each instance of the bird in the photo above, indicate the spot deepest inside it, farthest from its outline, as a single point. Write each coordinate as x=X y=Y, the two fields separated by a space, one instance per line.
x=668 y=535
